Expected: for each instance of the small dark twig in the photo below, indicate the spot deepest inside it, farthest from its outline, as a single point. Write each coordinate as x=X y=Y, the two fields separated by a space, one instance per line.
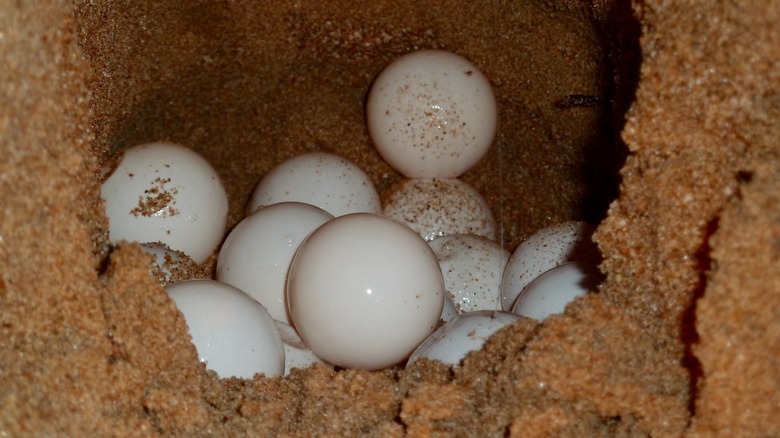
x=577 y=100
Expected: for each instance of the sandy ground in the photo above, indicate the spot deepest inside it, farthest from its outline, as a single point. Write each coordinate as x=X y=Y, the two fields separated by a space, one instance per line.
x=681 y=339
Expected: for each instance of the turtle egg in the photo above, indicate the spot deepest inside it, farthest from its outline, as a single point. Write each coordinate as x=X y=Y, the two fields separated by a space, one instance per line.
x=166 y=193
x=544 y=250
x=552 y=291
x=364 y=291
x=234 y=335
x=296 y=353
x=472 y=267
x=431 y=114
x=256 y=255
x=171 y=266
x=439 y=207
x=463 y=334
x=328 y=181
x=448 y=311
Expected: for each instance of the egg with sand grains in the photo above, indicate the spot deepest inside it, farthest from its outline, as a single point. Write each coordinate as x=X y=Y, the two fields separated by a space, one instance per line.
x=170 y=266
x=439 y=207
x=166 y=193
x=324 y=180
x=364 y=291
x=233 y=334
x=472 y=267
x=544 y=250
x=431 y=114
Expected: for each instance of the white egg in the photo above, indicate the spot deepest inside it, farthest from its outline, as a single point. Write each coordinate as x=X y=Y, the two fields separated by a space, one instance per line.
x=463 y=334
x=234 y=335
x=448 y=311
x=440 y=207
x=549 y=293
x=256 y=255
x=296 y=353
x=169 y=266
x=364 y=291
x=328 y=181
x=544 y=250
x=472 y=267
x=166 y=193
x=431 y=114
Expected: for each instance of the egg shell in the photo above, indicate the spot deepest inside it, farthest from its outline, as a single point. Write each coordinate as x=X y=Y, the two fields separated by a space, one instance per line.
x=440 y=207
x=325 y=180
x=464 y=333
x=169 y=266
x=257 y=253
x=296 y=353
x=544 y=250
x=448 y=311
x=166 y=193
x=431 y=114
x=234 y=335
x=472 y=267
x=552 y=291
x=364 y=291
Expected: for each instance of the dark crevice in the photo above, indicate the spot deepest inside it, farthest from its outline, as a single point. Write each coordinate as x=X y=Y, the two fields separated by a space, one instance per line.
x=620 y=33
x=689 y=334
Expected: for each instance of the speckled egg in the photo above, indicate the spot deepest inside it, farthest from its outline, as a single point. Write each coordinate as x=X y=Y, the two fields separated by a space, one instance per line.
x=440 y=207
x=324 y=180
x=431 y=114
x=472 y=267
x=544 y=250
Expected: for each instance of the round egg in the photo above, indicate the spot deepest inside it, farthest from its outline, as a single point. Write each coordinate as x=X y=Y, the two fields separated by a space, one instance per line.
x=364 y=291
x=431 y=114
x=440 y=207
x=448 y=311
x=553 y=290
x=325 y=180
x=472 y=267
x=296 y=353
x=464 y=333
x=256 y=255
x=234 y=335
x=166 y=193
x=544 y=250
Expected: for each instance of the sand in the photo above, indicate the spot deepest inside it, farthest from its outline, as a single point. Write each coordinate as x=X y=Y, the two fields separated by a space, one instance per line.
x=681 y=339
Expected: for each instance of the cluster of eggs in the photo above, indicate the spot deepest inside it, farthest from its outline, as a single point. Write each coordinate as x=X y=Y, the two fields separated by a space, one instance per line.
x=320 y=271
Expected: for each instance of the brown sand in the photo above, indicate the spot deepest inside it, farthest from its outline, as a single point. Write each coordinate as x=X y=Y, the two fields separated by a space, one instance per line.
x=681 y=339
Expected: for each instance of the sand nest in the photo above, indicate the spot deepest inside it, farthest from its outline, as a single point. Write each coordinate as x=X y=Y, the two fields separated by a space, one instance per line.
x=682 y=338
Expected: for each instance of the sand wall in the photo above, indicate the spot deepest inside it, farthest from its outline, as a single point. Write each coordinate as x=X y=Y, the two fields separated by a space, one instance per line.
x=681 y=339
